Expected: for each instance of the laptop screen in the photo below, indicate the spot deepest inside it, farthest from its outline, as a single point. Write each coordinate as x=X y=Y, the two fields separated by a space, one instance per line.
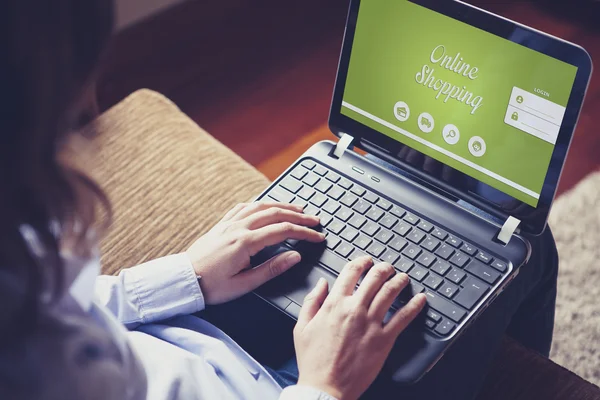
x=465 y=99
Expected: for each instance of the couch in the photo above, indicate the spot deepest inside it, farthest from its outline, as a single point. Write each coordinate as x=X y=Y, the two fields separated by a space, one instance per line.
x=169 y=182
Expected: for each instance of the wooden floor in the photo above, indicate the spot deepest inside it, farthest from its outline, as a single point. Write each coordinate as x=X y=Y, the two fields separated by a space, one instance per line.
x=258 y=75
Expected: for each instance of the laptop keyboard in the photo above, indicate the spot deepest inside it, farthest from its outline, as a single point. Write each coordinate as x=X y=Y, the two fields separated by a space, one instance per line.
x=454 y=274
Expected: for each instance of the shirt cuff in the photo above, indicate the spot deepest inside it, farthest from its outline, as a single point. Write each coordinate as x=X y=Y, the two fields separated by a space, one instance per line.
x=165 y=287
x=298 y=392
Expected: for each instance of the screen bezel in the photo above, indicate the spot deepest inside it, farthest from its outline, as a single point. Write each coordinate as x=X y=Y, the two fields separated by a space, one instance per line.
x=533 y=220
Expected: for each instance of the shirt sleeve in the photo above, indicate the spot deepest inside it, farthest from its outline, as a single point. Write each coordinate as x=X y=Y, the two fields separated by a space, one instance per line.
x=298 y=392
x=153 y=291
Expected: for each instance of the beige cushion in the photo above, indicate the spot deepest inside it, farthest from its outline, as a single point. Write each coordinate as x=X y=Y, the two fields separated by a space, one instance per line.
x=168 y=180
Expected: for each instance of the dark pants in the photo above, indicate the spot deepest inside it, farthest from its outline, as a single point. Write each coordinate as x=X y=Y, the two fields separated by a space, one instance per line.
x=525 y=311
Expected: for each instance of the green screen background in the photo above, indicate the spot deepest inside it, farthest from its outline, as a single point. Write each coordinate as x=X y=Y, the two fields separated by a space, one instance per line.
x=392 y=43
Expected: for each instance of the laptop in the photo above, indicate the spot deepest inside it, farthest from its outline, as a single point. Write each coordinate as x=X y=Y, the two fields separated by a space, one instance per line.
x=466 y=119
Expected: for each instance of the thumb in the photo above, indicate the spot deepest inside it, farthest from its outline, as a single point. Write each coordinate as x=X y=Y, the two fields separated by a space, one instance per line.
x=312 y=303
x=249 y=280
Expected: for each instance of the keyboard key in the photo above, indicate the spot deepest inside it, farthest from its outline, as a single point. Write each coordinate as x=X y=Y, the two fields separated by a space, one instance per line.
x=443 y=306
x=426 y=226
x=441 y=267
x=299 y=202
x=311 y=179
x=469 y=249
x=375 y=214
x=345 y=183
x=361 y=206
x=445 y=251
x=333 y=261
x=291 y=185
x=412 y=219
x=448 y=289
x=384 y=236
x=426 y=259
x=412 y=251
x=390 y=256
x=311 y=210
x=397 y=243
x=349 y=234
x=500 y=266
x=376 y=249
x=484 y=257
x=456 y=275
x=484 y=272
x=398 y=211
x=318 y=199
x=362 y=242
x=357 y=190
x=349 y=200
x=388 y=221
x=357 y=221
x=418 y=273
x=416 y=236
x=430 y=243
x=281 y=195
x=454 y=241
x=323 y=186
x=331 y=207
x=344 y=213
x=404 y=265
x=336 y=226
x=370 y=228
x=384 y=204
x=306 y=193
x=471 y=293
x=433 y=315
x=371 y=197
x=440 y=234
x=333 y=177
x=459 y=259
x=308 y=164
x=356 y=254
x=344 y=249
x=433 y=281
x=430 y=324
x=336 y=192
x=320 y=170
x=332 y=241
x=299 y=172
x=402 y=228
x=325 y=219
x=445 y=327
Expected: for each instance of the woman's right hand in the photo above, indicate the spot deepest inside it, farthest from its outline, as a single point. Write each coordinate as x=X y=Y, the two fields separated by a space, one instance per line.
x=340 y=339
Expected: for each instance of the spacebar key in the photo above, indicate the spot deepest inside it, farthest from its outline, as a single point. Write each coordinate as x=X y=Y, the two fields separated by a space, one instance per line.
x=444 y=307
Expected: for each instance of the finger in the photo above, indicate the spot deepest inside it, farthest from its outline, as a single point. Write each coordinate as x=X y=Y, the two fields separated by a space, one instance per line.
x=312 y=303
x=373 y=282
x=262 y=205
x=249 y=280
x=276 y=215
x=405 y=315
x=348 y=278
x=277 y=233
x=387 y=294
x=231 y=213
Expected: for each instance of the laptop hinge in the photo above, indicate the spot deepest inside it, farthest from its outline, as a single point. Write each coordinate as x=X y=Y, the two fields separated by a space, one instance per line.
x=342 y=145
x=508 y=230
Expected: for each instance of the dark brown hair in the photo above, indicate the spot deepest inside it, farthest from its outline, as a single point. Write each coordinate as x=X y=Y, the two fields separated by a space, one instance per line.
x=49 y=52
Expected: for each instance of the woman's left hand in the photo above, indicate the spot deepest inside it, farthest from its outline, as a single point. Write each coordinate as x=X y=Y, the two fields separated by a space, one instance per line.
x=221 y=257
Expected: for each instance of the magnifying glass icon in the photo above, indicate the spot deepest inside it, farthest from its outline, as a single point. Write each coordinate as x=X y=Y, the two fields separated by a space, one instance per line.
x=451 y=134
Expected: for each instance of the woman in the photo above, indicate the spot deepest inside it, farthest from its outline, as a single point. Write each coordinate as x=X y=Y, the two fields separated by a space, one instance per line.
x=136 y=338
